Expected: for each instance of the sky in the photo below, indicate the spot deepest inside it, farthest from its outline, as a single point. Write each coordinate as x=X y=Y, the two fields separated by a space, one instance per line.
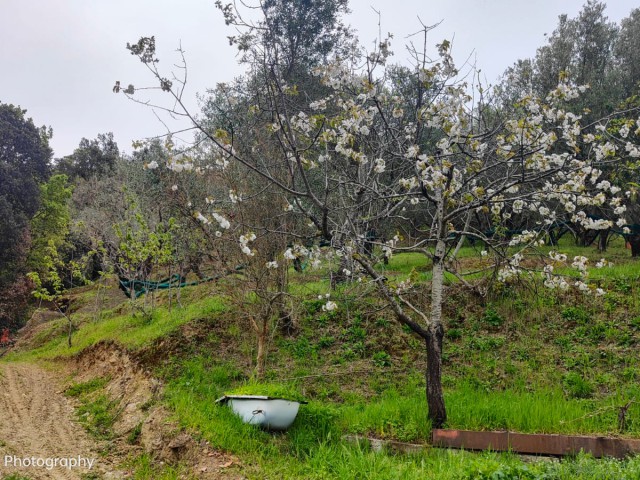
x=60 y=59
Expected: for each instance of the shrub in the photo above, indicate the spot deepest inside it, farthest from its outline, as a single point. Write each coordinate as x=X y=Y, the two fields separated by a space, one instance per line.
x=576 y=386
x=381 y=359
x=492 y=318
x=575 y=314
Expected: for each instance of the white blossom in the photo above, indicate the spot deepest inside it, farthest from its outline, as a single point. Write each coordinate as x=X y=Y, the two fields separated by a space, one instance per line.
x=234 y=197
x=330 y=306
x=624 y=131
x=558 y=257
x=223 y=222
x=202 y=218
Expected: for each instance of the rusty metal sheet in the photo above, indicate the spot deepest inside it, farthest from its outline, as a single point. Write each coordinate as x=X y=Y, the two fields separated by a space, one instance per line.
x=537 y=444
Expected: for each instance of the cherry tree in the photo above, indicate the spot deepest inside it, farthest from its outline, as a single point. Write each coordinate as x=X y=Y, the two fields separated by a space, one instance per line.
x=384 y=148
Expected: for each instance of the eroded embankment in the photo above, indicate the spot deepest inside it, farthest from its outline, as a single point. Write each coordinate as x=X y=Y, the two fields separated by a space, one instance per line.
x=38 y=420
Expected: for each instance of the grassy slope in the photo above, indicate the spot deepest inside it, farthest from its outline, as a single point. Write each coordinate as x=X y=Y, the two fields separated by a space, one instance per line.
x=527 y=361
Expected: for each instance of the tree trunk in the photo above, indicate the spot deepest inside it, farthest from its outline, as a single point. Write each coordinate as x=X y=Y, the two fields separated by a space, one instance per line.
x=260 y=357
x=634 y=241
x=286 y=320
x=602 y=240
x=435 y=396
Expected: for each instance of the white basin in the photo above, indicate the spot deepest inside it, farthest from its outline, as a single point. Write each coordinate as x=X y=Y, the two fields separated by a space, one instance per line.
x=267 y=412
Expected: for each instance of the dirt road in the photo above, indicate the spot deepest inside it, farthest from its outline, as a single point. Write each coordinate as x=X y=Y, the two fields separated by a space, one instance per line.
x=37 y=425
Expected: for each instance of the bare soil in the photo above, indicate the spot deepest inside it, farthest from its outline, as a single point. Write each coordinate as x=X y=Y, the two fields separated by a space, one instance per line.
x=37 y=420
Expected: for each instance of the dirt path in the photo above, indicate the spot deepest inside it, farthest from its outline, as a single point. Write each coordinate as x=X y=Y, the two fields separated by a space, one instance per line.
x=37 y=420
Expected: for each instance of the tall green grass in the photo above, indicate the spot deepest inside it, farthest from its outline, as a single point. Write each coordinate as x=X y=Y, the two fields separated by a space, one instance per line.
x=130 y=330
x=314 y=449
x=540 y=411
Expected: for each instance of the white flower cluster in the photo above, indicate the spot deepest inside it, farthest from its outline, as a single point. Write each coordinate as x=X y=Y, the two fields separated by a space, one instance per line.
x=526 y=237
x=319 y=104
x=223 y=222
x=297 y=251
x=408 y=183
x=403 y=286
x=553 y=282
x=624 y=131
x=389 y=245
x=234 y=197
x=302 y=122
x=632 y=150
x=604 y=151
x=379 y=165
x=580 y=264
x=244 y=243
x=330 y=305
x=508 y=272
x=202 y=218
x=180 y=163
x=603 y=263
x=591 y=223
x=565 y=91
x=558 y=257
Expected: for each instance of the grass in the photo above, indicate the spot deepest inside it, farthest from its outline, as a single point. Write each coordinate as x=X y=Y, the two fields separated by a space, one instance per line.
x=98 y=414
x=542 y=411
x=146 y=469
x=133 y=331
x=313 y=448
x=525 y=359
x=85 y=388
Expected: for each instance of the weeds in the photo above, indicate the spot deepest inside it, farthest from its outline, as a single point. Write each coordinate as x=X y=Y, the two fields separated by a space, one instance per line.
x=82 y=389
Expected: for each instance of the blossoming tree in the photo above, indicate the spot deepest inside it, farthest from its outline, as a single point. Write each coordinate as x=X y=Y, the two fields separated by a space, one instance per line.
x=409 y=148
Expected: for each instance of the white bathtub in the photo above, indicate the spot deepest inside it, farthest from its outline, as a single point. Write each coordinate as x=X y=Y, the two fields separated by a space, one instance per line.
x=267 y=412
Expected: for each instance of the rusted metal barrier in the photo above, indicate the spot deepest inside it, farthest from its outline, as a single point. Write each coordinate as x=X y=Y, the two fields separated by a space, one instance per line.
x=536 y=444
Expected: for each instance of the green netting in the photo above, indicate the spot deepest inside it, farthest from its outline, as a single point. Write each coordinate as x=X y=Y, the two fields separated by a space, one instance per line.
x=140 y=287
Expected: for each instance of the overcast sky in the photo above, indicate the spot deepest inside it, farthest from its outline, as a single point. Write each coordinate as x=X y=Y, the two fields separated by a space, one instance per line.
x=59 y=59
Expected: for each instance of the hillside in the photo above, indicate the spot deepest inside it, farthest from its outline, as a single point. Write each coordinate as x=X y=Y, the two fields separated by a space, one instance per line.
x=523 y=359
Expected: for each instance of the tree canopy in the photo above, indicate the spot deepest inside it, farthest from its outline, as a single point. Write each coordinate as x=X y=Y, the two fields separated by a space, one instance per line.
x=24 y=163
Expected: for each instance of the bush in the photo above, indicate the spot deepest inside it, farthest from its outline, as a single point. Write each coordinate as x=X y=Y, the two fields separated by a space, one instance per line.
x=492 y=318
x=576 y=386
x=575 y=314
x=381 y=359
